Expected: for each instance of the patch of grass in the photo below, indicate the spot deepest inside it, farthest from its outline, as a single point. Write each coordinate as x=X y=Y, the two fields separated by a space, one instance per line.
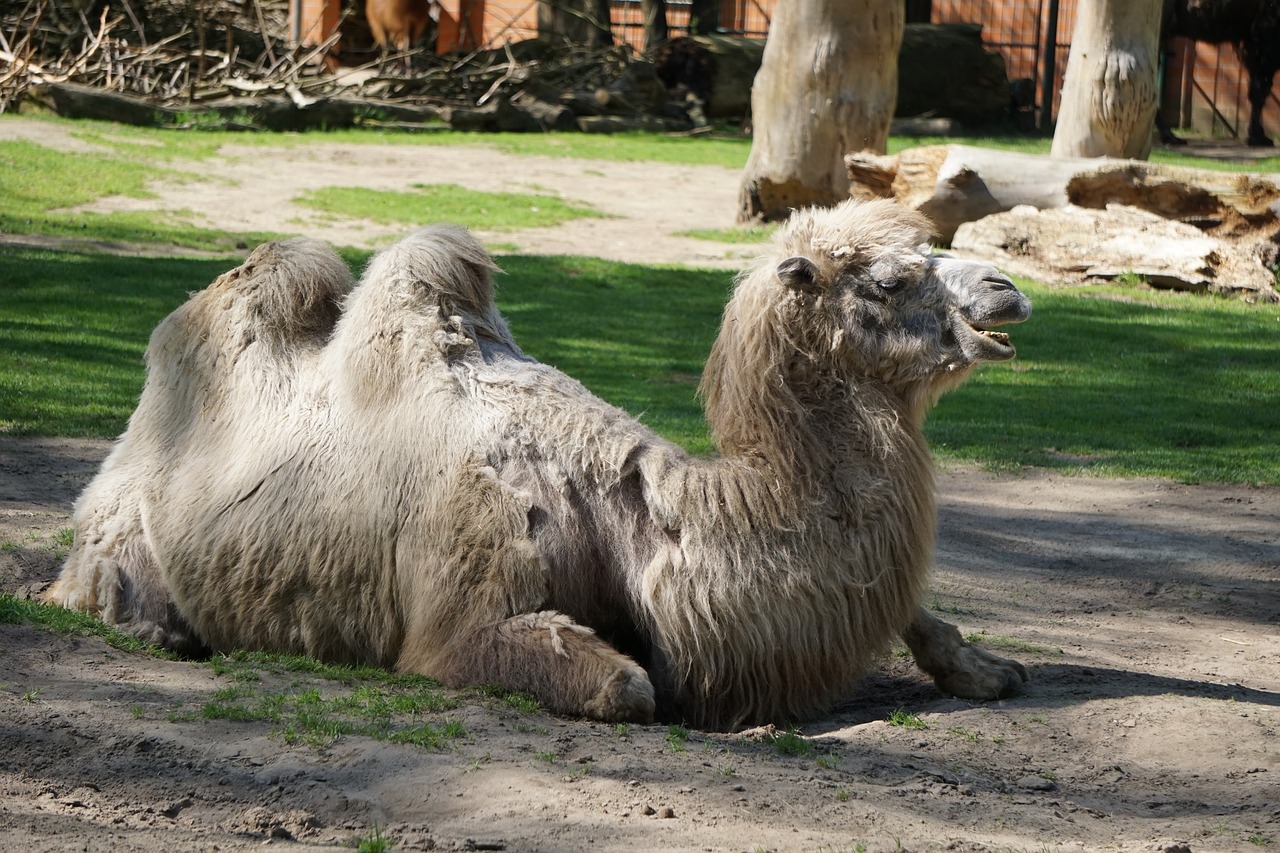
x=548 y=756
x=828 y=762
x=966 y=734
x=790 y=742
x=429 y=203
x=1108 y=380
x=677 y=738
x=39 y=186
x=522 y=703
x=905 y=720
x=385 y=711
x=18 y=611
x=1121 y=383
x=1011 y=644
x=751 y=234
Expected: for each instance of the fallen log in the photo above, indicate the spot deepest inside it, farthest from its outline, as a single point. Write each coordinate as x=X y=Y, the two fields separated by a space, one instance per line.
x=954 y=184
x=1073 y=244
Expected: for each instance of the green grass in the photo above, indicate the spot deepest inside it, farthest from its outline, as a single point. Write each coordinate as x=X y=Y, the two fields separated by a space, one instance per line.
x=906 y=720
x=790 y=743
x=1108 y=380
x=18 y=611
x=1126 y=383
x=745 y=234
x=446 y=203
x=38 y=185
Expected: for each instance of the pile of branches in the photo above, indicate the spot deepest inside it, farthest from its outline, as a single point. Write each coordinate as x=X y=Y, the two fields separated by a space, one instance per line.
x=106 y=67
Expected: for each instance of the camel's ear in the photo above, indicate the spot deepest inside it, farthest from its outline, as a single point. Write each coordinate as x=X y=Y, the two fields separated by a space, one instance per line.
x=798 y=273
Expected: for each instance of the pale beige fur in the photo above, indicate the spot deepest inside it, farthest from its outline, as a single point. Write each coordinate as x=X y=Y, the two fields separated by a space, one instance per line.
x=378 y=474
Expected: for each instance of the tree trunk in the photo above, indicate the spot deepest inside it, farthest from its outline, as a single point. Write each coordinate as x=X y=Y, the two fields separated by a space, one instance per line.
x=827 y=85
x=655 y=23
x=1109 y=96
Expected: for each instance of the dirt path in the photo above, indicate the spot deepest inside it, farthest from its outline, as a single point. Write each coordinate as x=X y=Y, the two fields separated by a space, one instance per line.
x=1148 y=614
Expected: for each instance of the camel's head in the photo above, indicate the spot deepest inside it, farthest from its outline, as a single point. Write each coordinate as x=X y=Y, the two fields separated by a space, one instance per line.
x=869 y=292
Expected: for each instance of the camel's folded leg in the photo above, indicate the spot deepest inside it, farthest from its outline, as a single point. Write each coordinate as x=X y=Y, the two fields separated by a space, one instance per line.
x=562 y=664
x=958 y=667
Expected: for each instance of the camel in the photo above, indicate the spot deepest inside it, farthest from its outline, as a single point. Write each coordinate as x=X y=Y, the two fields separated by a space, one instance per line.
x=378 y=474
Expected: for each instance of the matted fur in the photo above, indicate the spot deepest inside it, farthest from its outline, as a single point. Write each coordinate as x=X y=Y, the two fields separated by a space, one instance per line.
x=397 y=483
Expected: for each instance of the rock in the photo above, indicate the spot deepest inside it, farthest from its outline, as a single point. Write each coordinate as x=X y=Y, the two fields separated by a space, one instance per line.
x=1035 y=783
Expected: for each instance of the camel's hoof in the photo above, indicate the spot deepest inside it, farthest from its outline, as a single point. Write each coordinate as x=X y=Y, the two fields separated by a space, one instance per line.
x=626 y=696
x=983 y=676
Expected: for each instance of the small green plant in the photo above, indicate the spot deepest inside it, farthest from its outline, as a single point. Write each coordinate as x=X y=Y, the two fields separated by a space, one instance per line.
x=1260 y=840
x=33 y=694
x=1129 y=278
x=842 y=794
x=548 y=756
x=138 y=712
x=967 y=734
x=677 y=737
x=790 y=742
x=906 y=720
x=828 y=762
x=375 y=842
x=728 y=771
x=622 y=730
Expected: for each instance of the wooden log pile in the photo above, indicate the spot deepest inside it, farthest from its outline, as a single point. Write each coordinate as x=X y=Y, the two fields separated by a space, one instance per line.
x=114 y=73
x=1069 y=219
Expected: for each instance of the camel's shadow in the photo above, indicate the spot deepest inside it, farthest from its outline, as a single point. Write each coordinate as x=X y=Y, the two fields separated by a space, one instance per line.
x=1050 y=685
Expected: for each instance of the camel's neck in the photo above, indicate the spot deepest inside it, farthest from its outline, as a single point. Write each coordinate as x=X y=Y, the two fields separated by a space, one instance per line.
x=830 y=441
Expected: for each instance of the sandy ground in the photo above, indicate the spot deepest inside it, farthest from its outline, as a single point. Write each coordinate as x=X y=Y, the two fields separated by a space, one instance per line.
x=1148 y=614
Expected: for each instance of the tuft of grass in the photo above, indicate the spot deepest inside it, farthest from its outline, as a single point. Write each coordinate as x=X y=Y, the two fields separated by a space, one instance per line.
x=429 y=203
x=521 y=703
x=790 y=742
x=1011 y=644
x=677 y=738
x=375 y=842
x=18 y=611
x=905 y=720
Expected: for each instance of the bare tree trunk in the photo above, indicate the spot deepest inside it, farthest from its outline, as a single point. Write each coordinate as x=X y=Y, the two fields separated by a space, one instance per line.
x=827 y=86
x=1109 y=97
x=655 y=23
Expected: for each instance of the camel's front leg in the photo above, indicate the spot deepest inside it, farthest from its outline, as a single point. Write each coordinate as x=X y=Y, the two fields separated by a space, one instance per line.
x=958 y=667
x=562 y=664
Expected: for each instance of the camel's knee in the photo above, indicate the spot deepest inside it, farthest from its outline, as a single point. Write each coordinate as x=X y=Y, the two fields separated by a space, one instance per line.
x=564 y=665
x=958 y=667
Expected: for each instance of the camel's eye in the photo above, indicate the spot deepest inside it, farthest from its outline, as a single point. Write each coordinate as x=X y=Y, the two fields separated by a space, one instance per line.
x=889 y=284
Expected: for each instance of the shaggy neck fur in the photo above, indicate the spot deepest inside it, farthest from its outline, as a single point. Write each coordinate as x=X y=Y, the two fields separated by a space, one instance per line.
x=812 y=534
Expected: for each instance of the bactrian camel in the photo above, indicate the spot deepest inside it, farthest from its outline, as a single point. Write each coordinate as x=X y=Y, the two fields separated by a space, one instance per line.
x=376 y=473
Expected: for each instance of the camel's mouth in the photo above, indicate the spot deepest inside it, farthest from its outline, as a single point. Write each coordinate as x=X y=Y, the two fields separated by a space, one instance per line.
x=999 y=337
x=995 y=346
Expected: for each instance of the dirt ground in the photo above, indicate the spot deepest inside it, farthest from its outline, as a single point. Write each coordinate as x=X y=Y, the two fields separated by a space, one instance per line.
x=1147 y=612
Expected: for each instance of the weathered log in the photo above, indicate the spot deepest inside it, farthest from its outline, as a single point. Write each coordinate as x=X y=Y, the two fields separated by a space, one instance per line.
x=954 y=184
x=1074 y=244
